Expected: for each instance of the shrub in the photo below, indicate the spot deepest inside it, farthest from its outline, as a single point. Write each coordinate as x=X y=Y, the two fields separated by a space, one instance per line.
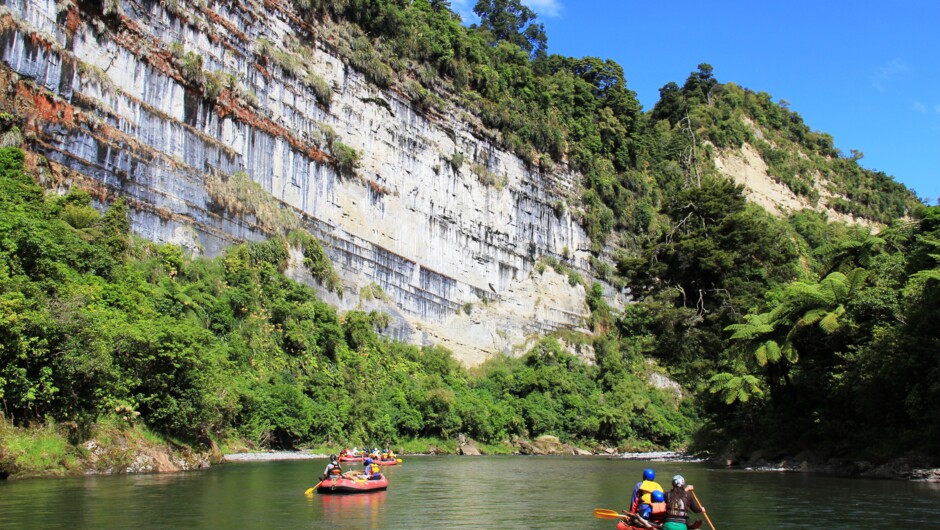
x=346 y=159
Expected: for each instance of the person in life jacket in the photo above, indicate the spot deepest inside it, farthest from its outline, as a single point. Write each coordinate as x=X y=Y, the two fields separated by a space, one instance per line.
x=333 y=469
x=679 y=502
x=657 y=513
x=372 y=469
x=643 y=491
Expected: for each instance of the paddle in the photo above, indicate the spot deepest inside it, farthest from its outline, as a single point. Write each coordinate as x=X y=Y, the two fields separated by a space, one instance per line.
x=694 y=496
x=601 y=513
x=313 y=489
x=635 y=521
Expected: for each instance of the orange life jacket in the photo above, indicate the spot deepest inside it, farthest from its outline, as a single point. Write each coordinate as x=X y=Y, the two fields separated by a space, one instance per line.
x=657 y=511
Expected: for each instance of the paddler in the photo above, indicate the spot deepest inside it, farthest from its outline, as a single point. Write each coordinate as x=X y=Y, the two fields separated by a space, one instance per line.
x=679 y=502
x=333 y=469
x=643 y=491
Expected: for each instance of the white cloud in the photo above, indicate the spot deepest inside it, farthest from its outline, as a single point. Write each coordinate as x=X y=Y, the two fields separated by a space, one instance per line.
x=887 y=73
x=920 y=107
x=548 y=8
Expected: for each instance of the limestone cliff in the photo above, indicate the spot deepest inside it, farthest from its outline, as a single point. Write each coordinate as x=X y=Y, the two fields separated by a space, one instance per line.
x=231 y=121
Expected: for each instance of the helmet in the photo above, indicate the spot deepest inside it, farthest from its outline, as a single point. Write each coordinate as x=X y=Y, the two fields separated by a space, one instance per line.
x=332 y=458
x=678 y=481
x=368 y=461
x=658 y=496
x=649 y=474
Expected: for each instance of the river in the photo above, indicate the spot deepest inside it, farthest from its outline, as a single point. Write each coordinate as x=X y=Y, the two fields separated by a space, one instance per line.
x=498 y=492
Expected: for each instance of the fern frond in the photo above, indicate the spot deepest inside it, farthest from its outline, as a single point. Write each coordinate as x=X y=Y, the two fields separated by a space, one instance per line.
x=773 y=351
x=830 y=323
x=789 y=352
x=857 y=279
x=760 y=354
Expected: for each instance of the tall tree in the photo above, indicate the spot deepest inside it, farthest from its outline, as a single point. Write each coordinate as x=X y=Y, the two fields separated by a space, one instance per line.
x=510 y=21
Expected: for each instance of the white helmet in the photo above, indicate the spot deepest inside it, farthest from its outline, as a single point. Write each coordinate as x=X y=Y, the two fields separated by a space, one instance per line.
x=678 y=481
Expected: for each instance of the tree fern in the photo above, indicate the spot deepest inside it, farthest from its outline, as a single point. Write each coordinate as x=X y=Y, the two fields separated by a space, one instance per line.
x=733 y=388
x=749 y=330
x=830 y=323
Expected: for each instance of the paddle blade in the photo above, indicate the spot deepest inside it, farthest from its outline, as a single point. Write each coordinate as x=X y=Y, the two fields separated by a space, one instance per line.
x=310 y=491
x=601 y=513
x=398 y=460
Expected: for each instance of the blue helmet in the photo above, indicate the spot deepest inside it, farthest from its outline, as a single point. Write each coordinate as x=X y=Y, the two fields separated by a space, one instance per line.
x=658 y=496
x=368 y=461
x=649 y=474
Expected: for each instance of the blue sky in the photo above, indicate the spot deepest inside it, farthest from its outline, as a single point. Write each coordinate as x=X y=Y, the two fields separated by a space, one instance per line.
x=866 y=72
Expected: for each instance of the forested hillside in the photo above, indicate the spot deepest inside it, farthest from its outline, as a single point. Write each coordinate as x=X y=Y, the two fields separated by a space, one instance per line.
x=99 y=324
x=789 y=335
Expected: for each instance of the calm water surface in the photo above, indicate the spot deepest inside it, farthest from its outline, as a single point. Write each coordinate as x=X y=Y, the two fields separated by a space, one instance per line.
x=458 y=492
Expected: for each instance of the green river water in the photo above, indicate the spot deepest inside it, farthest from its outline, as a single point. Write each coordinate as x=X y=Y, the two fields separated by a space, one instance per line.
x=458 y=492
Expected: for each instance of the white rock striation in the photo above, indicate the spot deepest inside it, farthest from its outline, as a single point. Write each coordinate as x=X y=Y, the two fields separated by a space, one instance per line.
x=454 y=255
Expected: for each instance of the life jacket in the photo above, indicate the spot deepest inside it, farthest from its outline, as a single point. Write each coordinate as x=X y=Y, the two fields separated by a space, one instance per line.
x=645 y=491
x=675 y=504
x=657 y=511
x=375 y=468
x=336 y=470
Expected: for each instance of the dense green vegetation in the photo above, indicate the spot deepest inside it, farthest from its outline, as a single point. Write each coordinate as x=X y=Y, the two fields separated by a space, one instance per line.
x=843 y=361
x=95 y=325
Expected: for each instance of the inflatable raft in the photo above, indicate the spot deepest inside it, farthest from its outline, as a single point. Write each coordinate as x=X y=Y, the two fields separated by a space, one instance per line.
x=623 y=525
x=344 y=484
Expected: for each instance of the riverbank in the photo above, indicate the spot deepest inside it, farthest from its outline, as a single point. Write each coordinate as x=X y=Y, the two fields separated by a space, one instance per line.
x=115 y=445
x=898 y=470
x=904 y=468
x=119 y=446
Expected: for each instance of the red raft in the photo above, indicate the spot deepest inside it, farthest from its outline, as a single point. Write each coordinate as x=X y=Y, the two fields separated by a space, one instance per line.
x=623 y=525
x=343 y=485
x=348 y=458
x=389 y=462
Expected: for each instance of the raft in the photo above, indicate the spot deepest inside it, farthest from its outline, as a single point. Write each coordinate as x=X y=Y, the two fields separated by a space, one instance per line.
x=347 y=458
x=389 y=462
x=623 y=525
x=343 y=485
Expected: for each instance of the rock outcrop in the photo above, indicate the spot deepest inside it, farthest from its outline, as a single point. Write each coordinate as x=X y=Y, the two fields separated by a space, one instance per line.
x=223 y=122
x=545 y=445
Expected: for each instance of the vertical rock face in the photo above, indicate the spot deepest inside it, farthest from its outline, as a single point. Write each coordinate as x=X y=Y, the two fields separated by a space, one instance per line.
x=163 y=102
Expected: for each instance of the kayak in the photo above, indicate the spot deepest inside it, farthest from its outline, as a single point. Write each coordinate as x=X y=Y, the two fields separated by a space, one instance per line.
x=350 y=459
x=623 y=525
x=348 y=485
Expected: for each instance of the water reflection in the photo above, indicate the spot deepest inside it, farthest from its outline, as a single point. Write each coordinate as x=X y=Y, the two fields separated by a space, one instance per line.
x=339 y=510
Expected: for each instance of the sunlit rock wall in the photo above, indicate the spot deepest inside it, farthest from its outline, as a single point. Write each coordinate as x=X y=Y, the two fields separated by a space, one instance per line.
x=111 y=109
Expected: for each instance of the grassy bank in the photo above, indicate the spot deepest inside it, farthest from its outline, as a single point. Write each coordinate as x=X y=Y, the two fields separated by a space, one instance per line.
x=113 y=445
x=39 y=451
